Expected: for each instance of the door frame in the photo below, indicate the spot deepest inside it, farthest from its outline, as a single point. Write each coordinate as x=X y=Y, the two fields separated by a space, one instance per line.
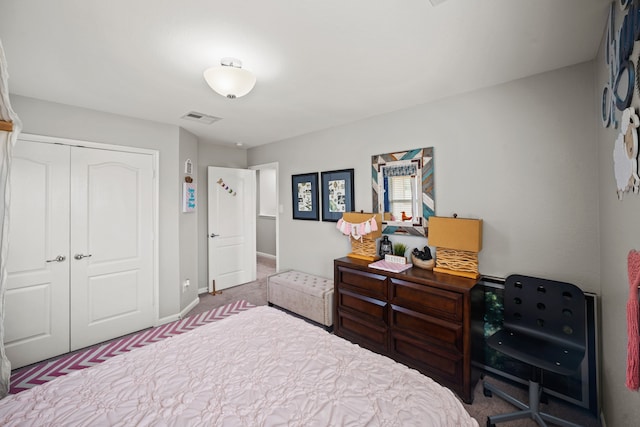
x=155 y=154
x=273 y=165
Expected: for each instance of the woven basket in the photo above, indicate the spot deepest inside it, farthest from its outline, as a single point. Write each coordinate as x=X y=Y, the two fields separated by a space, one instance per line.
x=365 y=248
x=425 y=264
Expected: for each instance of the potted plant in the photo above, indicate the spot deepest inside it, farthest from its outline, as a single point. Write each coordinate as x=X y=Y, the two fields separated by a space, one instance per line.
x=399 y=249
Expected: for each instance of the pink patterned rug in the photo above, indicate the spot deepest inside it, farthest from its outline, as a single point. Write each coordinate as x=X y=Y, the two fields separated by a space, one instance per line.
x=33 y=375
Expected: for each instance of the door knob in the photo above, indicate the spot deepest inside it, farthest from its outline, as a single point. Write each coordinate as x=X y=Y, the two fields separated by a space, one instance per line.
x=80 y=256
x=59 y=258
x=214 y=235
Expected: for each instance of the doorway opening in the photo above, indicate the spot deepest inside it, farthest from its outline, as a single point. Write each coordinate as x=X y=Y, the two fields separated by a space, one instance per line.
x=267 y=208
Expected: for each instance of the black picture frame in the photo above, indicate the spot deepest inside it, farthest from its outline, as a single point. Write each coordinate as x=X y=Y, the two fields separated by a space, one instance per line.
x=304 y=196
x=337 y=194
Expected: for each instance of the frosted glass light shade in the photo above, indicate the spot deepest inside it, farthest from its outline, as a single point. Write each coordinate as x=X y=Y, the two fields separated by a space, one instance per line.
x=230 y=80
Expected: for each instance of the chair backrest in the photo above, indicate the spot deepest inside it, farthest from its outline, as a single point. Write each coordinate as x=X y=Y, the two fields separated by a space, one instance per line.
x=546 y=309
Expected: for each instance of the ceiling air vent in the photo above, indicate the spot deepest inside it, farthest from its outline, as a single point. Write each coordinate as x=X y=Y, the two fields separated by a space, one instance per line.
x=200 y=117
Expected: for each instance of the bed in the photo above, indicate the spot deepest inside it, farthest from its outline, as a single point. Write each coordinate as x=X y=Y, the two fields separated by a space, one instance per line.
x=260 y=367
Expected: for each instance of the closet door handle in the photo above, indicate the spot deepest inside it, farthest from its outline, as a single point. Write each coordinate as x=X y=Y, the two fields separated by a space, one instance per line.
x=80 y=256
x=59 y=258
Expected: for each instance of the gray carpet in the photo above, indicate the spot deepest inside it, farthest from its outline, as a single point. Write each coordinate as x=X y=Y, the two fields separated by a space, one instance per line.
x=253 y=292
x=256 y=293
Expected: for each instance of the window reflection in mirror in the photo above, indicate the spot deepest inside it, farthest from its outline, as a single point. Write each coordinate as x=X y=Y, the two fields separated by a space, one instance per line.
x=399 y=190
x=400 y=195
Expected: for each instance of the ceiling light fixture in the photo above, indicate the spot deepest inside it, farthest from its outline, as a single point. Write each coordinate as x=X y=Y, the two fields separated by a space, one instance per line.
x=230 y=79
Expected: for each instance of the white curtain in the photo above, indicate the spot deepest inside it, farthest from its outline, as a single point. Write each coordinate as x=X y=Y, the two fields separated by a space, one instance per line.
x=7 y=141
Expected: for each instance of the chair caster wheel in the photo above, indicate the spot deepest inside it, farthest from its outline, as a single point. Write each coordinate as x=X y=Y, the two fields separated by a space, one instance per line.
x=489 y=423
x=487 y=392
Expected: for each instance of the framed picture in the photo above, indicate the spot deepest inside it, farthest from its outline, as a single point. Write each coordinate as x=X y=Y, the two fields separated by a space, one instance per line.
x=337 y=194
x=304 y=192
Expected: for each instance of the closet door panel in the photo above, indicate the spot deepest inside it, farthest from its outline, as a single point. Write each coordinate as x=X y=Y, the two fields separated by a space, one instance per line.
x=111 y=244
x=37 y=296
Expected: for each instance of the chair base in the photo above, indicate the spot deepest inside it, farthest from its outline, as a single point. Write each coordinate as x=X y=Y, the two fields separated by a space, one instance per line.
x=532 y=410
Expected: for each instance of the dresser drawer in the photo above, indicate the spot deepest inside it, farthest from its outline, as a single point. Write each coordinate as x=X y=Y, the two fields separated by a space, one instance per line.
x=373 y=285
x=427 y=328
x=426 y=299
x=443 y=366
x=361 y=304
x=359 y=330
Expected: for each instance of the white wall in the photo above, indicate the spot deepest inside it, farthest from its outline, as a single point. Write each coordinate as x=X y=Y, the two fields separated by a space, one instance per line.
x=211 y=155
x=188 y=222
x=522 y=156
x=51 y=119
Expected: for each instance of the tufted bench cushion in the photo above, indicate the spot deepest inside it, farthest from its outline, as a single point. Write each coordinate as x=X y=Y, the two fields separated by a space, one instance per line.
x=304 y=294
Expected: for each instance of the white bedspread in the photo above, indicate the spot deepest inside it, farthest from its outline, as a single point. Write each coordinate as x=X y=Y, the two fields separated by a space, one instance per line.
x=260 y=367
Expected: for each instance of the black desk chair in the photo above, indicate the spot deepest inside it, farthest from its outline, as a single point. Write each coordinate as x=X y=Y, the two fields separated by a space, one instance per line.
x=544 y=326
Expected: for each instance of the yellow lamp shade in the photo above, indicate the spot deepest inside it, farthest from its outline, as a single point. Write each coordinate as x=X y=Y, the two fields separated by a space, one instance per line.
x=456 y=233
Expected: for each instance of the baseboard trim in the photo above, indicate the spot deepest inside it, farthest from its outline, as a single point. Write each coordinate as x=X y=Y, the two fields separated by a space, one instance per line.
x=189 y=307
x=266 y=255
x=168 y=319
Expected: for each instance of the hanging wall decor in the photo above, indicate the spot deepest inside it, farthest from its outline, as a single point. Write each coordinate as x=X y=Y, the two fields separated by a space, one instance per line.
x=337 y=194
x=403 y=190
x=618 y=91
x=226 y=187
x=304 y=196
x=188 y=195
x=625 y=154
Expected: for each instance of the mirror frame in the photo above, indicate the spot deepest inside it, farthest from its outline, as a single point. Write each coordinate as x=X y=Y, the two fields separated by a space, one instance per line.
x=425 y=159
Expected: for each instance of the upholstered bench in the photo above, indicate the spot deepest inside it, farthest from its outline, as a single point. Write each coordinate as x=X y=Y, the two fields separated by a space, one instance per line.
x=303 y=294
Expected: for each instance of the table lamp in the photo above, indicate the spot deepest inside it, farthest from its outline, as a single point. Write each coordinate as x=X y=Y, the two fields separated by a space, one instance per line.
x=457 y=242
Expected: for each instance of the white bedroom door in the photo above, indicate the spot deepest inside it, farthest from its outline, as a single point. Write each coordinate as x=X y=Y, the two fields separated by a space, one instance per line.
x=232 y=226
x=111 y=244
x=37 y=296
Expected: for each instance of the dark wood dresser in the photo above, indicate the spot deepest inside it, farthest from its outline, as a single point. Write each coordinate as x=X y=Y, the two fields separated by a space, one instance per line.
x=419 y=318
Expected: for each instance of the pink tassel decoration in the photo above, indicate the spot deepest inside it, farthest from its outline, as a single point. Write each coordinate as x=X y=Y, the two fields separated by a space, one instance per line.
x=361 y=226
x=633 y=313
x=374 y=224
x=339 y=224
x=367 y=227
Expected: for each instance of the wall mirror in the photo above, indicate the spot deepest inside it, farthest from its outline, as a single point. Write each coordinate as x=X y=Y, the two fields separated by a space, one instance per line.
x=403 y=190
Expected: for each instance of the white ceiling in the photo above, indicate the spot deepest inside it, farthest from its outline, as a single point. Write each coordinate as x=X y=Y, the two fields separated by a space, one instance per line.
x=318 y=64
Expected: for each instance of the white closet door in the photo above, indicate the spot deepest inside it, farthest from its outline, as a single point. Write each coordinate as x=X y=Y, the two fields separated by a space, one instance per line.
x=111 y=244
x=37 y=296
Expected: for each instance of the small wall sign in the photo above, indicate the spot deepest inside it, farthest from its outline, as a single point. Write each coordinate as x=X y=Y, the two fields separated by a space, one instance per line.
x=188 y=197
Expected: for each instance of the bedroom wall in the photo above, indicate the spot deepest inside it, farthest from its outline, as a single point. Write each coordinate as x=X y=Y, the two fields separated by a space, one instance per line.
x=52 y=119
x=522 y=156
x=188 y=223
x=619 y=233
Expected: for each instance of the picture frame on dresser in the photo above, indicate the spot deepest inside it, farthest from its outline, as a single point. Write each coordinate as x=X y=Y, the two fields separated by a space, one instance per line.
x=337 y=194
x=304 y=196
